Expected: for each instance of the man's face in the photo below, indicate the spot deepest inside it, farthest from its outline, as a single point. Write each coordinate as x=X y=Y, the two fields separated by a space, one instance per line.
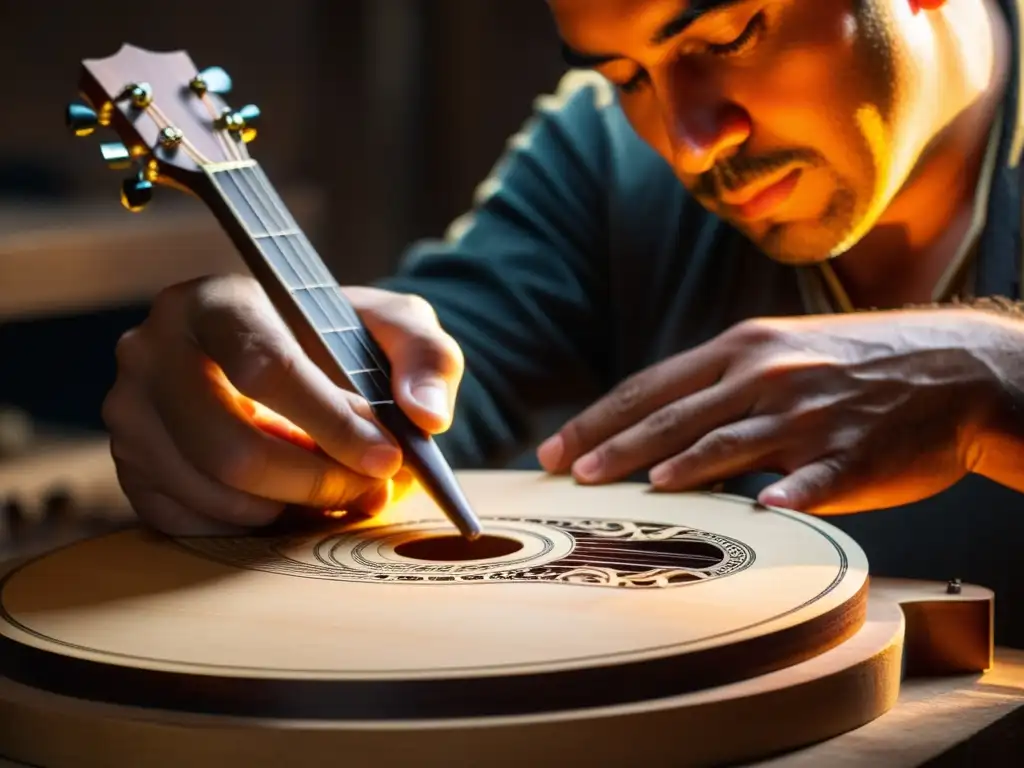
x=793 y=119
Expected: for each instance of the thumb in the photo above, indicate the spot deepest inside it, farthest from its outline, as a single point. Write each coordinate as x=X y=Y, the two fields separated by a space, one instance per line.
x=809 y=488
x=426 y=363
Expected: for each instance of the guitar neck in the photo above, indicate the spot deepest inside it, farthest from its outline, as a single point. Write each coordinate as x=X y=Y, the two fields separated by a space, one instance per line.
x=299 y=284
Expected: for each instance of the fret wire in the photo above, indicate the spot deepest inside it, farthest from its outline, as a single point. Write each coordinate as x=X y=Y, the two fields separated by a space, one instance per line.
x=239 y=181
x=283 y=233
x=303 y=262
x=311 y=264
x=345 y=309
x=300 y=244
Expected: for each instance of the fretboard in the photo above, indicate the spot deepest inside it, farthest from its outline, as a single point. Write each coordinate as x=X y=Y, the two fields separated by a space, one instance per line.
x=276 y=239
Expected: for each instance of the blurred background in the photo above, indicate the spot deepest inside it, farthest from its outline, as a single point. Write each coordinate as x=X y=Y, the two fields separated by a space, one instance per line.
x=379 y=117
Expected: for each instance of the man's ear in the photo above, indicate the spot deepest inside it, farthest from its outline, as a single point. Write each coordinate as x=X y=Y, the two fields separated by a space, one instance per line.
x=926 y=5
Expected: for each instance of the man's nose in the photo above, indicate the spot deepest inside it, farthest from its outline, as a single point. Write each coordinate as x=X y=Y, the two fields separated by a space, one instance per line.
x=702 y=126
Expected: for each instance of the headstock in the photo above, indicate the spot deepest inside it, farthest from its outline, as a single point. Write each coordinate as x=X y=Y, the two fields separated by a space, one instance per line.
x=171 y=118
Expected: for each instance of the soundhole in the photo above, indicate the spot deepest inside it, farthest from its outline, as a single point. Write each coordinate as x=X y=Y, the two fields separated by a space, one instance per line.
x=452 y=548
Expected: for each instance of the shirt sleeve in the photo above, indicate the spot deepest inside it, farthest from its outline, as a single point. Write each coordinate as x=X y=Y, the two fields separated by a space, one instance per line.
x=521 y=280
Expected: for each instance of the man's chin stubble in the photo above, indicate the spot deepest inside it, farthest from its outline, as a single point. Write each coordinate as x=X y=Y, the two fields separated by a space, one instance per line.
x=806 y=244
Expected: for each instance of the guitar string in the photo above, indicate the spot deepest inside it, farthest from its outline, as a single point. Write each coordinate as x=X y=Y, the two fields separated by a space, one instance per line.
x=314 y=265
x=312 y=277
x=340 y=304
x=310 y=270
x=159 y=117
x=225 y=144
x=230 y=148
x=309 y=261
x=264 y=192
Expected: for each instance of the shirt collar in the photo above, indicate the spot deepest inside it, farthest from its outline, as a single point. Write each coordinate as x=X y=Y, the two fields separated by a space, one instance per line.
x=1014 y=102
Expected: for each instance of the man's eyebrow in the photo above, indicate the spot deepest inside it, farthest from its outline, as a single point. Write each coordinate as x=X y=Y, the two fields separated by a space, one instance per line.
x=687 y=17
x=578 y=60
x=674 y=27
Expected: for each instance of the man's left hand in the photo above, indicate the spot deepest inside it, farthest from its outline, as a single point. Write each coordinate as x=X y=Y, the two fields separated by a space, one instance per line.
x=858 y=412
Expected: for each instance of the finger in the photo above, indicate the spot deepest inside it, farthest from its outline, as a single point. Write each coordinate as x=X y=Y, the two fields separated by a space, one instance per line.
x=146 y=458
x=810 y=488
x=213 y=433
x=746 y=446
x=169 y=516
x=427 y=364
x=253 y=349
x=634 y=399
x=666 y=432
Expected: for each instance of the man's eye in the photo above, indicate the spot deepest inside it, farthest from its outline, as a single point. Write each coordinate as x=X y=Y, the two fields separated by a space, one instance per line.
x=746 y=38
x=635 y=83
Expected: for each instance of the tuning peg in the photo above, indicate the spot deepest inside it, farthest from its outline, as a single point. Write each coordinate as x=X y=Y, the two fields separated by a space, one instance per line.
x=136 y=192
x=211 y=80
x=116 y=155
x=241 y=122
x=250 y=115
x=82 y=120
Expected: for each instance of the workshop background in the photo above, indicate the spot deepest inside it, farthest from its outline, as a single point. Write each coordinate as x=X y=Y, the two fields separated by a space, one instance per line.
x=379 y=117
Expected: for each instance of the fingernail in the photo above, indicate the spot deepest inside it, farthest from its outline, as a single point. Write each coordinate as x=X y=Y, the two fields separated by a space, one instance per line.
x=588 y=467
x=549 y=453
x=432 y=395
x=660 y=475
x=774 y=497
x=380 y=461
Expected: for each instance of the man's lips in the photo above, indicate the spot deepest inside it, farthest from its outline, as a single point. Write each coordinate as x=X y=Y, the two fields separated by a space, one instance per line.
x=751 y=204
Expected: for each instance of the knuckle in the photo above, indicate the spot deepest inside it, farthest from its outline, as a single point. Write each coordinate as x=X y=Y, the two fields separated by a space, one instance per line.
x=665 y=421
x=408 y=311
x=131 y=351
x=626 y=396
x=441 y=353
x=258 y=367
x=168 y=301
x=417 y=307
x=343 y=432
x=613 y=453
x=392 y=308
x=722 y=443
x=755 y=331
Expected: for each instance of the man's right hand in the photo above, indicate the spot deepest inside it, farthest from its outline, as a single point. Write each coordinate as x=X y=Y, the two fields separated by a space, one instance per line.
x=198 y=452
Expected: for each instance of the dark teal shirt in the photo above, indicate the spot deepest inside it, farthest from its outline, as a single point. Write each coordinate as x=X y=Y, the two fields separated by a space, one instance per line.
x=584 y=260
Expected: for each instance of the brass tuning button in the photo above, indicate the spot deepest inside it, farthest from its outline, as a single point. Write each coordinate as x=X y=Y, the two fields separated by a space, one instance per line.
x=136 y=192
x=211 y=80
x=243 y=122
x=140 y=94
x=80 y=119
x=116 y=155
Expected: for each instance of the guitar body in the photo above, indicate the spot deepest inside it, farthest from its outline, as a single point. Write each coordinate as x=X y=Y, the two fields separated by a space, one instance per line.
x=596 y=626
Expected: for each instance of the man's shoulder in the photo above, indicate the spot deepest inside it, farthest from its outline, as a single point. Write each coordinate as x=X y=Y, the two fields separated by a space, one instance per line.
x=645 y=206
x=585 y=105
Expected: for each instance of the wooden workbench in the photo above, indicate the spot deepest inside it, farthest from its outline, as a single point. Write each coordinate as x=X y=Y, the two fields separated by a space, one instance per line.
x=974 y=721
